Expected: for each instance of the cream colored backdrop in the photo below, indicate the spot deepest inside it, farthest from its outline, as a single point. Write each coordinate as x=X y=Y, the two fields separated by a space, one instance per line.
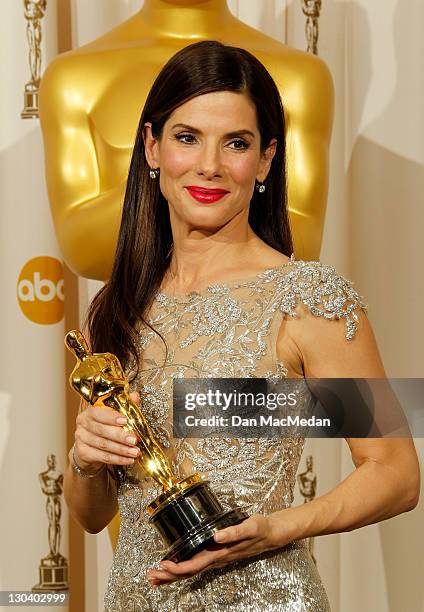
x=374 y=216
x=373 y=235
x=32 y=414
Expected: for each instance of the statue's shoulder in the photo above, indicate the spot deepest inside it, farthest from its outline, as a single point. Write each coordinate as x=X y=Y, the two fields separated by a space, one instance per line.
x=74 y=71
x=299 y=76
x=58 y=83
x=281 y=60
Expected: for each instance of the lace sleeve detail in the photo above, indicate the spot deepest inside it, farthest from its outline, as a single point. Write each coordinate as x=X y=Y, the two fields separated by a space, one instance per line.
x=323 y=291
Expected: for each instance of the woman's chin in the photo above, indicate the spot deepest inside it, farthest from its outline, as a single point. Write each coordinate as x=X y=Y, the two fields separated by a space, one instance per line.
x=211 y=226
x=205 y=218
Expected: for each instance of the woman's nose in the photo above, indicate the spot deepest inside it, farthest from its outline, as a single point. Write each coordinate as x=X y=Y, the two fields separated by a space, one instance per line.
x=209 y=161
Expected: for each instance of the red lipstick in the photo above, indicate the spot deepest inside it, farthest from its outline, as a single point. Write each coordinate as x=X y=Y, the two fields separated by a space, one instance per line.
x=206 y=195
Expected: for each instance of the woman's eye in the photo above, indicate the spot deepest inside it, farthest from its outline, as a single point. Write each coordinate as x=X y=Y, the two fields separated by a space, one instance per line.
x=237 y=144
x=185 y=138
x=240 y=144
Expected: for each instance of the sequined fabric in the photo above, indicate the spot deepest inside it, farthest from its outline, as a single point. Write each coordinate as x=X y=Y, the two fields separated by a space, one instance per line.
x=226 y=330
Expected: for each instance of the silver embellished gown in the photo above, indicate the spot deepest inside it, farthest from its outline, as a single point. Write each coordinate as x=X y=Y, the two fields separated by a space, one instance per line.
x=226 y=330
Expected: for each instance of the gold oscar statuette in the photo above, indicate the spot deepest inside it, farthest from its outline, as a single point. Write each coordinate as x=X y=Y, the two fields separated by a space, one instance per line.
x=312 y=9
x=34 y=13
x=53 y=569
x=187 y=513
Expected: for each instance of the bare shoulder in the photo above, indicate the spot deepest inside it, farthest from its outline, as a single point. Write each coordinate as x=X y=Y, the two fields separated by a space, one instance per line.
x=325 y=352
x=326 y=331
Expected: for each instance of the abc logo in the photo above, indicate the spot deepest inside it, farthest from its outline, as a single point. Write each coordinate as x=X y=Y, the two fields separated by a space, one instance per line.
x=40 y=290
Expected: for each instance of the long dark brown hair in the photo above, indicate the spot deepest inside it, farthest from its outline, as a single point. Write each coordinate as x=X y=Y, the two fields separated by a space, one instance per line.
x=145 y=239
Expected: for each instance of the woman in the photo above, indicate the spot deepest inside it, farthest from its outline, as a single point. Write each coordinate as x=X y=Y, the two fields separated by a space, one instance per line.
x=205 y=284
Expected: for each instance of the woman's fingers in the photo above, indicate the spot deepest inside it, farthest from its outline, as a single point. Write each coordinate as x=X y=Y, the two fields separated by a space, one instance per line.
x=135 y=396
x=91 y=447
x=207 y=559
x=170 y=571
x=100 y=437
x=196 y=564
x=90 y=456
x=106 y=423
x=247 y=529
x=100 y=414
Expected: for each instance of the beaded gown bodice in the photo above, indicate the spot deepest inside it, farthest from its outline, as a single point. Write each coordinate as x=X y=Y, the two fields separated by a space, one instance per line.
x=227 y=330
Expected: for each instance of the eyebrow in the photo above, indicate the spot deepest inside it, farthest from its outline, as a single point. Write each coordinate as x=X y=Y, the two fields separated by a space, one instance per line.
x=190 y=128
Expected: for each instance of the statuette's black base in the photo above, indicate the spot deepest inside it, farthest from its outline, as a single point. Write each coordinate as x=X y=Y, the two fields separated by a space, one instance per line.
x=192 y=543
x=187 y=522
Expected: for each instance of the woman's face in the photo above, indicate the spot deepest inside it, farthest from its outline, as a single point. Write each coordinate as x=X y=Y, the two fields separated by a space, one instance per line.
x=210 y=142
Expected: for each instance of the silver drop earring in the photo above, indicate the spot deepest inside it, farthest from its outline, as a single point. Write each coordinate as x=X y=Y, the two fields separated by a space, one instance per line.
x=154 y=173
x=260 y=187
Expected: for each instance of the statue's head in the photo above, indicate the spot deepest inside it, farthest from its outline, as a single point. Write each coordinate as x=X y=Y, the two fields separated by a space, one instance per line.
x=51 y=461
x=309 y=462
x=77 y=344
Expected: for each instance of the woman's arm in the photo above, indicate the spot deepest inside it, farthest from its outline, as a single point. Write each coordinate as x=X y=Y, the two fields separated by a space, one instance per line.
x=99 y=441
x=386 y=481
x=91 y=501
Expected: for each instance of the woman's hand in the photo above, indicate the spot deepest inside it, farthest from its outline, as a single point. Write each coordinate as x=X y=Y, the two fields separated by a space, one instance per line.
x=100 y=438
x=253 y=536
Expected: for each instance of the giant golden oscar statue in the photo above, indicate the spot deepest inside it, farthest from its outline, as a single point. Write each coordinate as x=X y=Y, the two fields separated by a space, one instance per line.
x=88 y=138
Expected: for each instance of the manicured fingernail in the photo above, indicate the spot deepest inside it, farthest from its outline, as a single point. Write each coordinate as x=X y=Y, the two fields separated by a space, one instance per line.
x=131 y=440
x=121 y=420
x=220 y=537
x=133 y=451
